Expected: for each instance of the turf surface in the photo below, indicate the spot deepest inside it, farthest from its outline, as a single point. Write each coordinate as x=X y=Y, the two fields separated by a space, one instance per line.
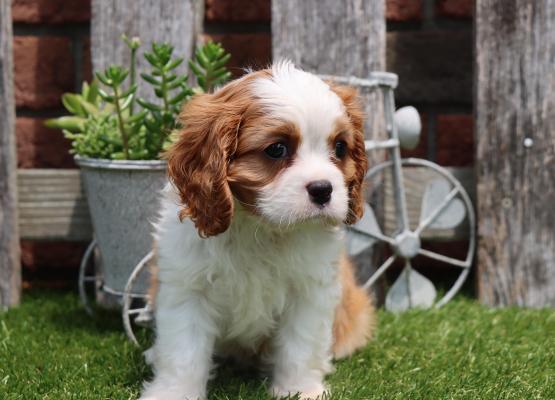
x=50 y=349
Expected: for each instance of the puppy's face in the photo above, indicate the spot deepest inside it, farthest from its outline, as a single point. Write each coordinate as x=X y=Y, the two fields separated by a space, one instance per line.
x=283 y=143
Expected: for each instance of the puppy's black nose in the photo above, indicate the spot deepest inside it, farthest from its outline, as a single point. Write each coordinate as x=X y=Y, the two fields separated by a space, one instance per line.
x=319 y=191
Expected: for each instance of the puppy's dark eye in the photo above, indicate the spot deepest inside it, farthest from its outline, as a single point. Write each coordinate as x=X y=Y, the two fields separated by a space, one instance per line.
x=340 y=149
x=277 y=151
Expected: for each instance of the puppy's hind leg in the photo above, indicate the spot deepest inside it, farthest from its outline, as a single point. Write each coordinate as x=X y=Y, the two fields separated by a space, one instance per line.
x=354 y=317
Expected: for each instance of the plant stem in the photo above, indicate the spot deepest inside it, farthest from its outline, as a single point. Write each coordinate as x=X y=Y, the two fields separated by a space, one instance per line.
x=121 y=124
x=165 y=93
x=132 y=74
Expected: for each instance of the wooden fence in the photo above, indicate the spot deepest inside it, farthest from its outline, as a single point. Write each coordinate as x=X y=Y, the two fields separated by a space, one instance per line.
x=514 y=110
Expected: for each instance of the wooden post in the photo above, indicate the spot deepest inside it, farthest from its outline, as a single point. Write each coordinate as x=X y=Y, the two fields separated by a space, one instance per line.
x=178 y=22
x=515 y=133
x=337 y=38
x=10 y=271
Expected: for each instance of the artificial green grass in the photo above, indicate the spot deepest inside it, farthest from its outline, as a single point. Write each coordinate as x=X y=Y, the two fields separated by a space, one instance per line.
x=50 y=349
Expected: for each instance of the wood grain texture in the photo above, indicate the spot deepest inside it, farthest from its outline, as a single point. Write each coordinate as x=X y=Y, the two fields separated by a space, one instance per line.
x=515 y=99
x=52 y=205
x=178 y=22
x=10 y=271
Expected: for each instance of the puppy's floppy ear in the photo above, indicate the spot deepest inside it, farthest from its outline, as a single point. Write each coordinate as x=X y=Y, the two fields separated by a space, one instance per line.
x=198 y=162
x=350 y=99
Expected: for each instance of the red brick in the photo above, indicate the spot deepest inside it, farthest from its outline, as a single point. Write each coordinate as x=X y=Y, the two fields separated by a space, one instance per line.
x=247 y=50
x=403 y=10
x=43 y=69
x=455 y=8
x=455 y=140
x=50 y=264
x=237 y=10
x=51 y=11
x=62 y=255
x=420 y=151
x=41 y=147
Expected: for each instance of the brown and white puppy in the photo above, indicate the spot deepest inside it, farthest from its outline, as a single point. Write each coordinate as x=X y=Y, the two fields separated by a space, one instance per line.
x=266 y=171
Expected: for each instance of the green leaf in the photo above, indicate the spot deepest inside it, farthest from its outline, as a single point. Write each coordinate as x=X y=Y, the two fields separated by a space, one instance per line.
x=203 y=60
x=179 y=98
x=196 y=70
x=174 y=64
x=104 y=79
x=89 y=108
x=148 y=105
x=150 y=79
x=131 y=90
x=152 y=126
x=221 y=62
x=105 y=96
x=92 y=95
x=69 y=123
x=126 y=102
x=152 y=60
x=177 y=84
x=72 y=104
x=202 y=82
x=137 y=117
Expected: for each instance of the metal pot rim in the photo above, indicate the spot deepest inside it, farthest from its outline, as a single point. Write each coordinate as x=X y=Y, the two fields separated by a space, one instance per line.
x=100 y=163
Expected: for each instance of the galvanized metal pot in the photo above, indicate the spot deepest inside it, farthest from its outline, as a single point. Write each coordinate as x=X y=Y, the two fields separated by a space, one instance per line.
x=123 y=198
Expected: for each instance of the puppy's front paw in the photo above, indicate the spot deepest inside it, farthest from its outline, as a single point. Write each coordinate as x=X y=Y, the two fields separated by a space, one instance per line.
x=305 y=392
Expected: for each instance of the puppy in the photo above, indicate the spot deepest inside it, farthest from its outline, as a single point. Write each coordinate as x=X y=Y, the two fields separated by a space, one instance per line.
x=250 y=241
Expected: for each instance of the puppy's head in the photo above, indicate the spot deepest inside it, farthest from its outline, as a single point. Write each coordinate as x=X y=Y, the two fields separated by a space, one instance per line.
x=283 y=143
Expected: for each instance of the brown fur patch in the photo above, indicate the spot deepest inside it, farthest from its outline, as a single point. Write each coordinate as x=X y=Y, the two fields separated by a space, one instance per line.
x=354 y=317
x=198 y=162
x=251 y=169
x=354 y=171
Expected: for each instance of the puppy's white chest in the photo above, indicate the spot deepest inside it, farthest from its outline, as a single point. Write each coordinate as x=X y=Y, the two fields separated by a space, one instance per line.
x=250 y=299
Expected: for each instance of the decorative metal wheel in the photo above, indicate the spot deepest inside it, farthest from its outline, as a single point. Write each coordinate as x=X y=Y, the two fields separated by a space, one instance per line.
x=426 y=205
x=137 y=307
x=88 y=280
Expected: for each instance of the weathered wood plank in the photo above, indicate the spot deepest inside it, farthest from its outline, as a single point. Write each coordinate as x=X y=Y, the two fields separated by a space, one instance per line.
x=10 y=271
x=515 y=131
x=178 y=22
x=52 y=205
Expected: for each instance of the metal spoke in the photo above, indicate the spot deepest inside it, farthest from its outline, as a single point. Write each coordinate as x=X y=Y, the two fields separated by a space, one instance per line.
x=445 y=259
x=378 y=236
x=432 y=217
x=379 y=272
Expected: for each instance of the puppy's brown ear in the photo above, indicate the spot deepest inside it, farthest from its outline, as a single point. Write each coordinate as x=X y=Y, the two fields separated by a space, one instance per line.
x=198 y=161
x=350 y=99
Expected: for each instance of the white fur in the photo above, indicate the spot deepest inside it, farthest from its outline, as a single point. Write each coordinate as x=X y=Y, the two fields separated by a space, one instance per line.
x=261 y=279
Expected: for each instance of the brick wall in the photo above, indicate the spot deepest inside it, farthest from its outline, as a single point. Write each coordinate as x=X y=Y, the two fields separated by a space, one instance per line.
x=429 y=44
